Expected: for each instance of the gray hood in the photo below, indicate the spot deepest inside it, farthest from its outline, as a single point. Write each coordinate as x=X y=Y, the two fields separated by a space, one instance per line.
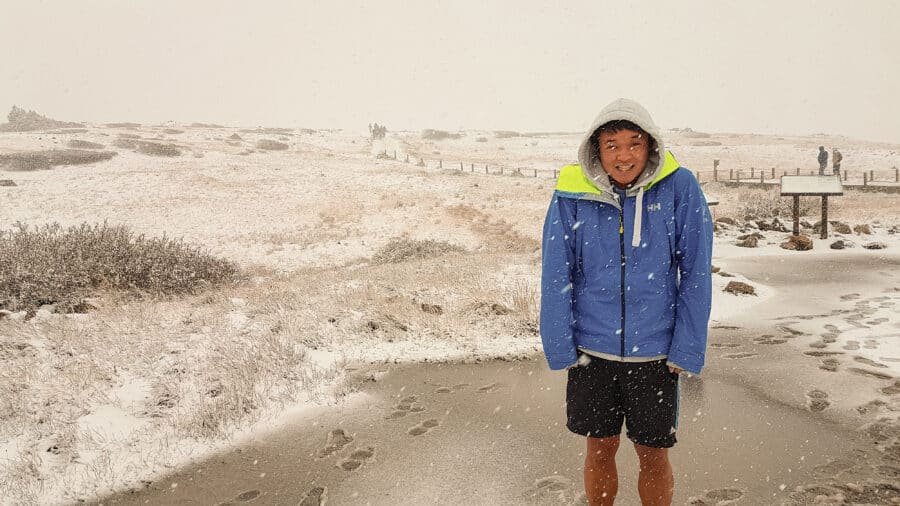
x=589 y=156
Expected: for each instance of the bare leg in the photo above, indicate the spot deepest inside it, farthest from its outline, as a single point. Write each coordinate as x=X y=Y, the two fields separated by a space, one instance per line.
x=601 y=480
x=656 y=484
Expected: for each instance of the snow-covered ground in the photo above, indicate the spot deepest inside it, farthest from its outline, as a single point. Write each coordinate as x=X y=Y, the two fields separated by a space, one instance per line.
x=102 y=401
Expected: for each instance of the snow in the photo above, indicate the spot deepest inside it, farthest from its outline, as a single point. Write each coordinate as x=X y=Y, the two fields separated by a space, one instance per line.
x=328 y=204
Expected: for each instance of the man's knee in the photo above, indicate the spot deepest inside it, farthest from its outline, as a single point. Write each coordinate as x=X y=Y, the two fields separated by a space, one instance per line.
x=652 y=458
x=602 y=449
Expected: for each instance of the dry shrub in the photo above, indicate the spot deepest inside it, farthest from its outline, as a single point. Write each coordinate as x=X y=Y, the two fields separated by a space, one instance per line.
x=36 y=160
x=506 y=134
x=527 y=305
x=125 y=143
x=173 y=131
x=80 y=144
x=123 y=125
x=129 y=141
x=52 y=265
x=271 y=145
x=67 y=131
x=401 y=249
x=437 y=135
x=21 y=120
x=768 y=203
x=157 y=149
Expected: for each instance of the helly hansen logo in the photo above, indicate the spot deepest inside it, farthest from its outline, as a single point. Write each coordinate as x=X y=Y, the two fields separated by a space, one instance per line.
x=654 y=207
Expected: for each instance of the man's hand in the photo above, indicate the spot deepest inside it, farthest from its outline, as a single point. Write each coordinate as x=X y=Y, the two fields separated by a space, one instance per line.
x=583 y=359
x=676 y=370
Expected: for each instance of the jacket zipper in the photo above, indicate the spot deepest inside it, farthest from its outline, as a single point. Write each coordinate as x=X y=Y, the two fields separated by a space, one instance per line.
x=622 y=249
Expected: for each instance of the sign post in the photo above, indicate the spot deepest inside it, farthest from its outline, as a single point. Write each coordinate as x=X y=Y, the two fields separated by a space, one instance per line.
x=816 y=186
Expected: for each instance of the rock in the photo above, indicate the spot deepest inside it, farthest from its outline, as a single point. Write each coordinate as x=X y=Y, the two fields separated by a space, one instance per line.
x=841 y=227
x=749 y=241
x=775 y=225
x=875 y=245
x=798 y=243
x=43 y=314
x=739 y=288
x=715 y=269
x=836 y=226
x=841 y=244
x=432 y=308
x=500 y=309
x=779 y=226
x=726 y=220
x=755 y=235
x=863 y=229
x=4 y=313
x=805 y=224
x=7 y=182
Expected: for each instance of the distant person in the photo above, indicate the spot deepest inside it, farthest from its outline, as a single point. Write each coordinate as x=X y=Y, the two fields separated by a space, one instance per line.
x=625 y=295
x=836 y=158
x=823 y=160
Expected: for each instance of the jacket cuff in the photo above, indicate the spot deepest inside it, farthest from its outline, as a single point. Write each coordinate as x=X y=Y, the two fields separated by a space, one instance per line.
x=562 y=361
x=692 y=370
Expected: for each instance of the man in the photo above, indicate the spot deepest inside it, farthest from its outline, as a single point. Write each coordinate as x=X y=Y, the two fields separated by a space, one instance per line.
x=836 y=163
x=823 y=160
x=625 y=295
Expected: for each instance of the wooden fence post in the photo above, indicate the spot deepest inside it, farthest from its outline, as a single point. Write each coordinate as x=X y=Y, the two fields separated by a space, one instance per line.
x=798 y=171
x=715 y=170
x=773 y=172
x=395 y=154
x=762 y=177
x=896 y=175
x=440 y=164
x=535 y=173
x=730 y=174
x=751 y=172
x=871 y=176
x=865 y=179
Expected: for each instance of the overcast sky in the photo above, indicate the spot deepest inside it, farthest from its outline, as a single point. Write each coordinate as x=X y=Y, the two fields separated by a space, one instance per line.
x=764 y=66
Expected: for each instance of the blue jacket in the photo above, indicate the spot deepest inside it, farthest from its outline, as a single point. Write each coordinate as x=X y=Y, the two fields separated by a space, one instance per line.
x=627 y=286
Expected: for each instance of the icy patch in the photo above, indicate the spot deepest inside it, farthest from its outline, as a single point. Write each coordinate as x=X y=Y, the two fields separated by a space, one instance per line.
x=109 y=423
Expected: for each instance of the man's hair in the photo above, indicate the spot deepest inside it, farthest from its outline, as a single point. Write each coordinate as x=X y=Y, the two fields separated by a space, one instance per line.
x=618 y=125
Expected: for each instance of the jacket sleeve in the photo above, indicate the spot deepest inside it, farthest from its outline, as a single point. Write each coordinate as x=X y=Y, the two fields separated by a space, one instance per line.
x=693 y=256
x=557 y=264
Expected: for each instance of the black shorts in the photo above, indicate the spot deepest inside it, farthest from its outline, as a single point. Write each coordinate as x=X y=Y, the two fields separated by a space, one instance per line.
x=603 y=394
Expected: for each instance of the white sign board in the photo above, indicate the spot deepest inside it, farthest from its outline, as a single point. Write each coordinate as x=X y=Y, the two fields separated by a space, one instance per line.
x=811 y=185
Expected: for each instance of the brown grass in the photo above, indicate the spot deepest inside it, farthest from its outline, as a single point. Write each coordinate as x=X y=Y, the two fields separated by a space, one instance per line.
x=401 y=249
x=80 y=144
x=271 y=145
x=52 y=265
x=38 y=160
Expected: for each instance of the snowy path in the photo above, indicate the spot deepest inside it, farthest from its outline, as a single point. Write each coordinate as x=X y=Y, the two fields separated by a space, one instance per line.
x=494 y=433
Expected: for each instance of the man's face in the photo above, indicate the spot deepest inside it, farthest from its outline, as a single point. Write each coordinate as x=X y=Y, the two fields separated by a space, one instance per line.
x=624 y=155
